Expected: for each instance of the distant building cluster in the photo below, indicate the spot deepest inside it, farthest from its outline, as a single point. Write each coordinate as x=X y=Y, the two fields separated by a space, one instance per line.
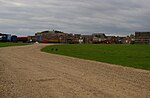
x=61 y=37
x=95 y=38
x=142 y=37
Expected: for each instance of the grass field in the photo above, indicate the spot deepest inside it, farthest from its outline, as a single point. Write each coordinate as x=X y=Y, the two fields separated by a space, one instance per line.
x=6 y=44
x=137 y=56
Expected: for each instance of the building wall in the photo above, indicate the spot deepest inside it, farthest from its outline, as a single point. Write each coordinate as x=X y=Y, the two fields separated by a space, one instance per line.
x=58 y=37
x=142 y=37
x=51 y=36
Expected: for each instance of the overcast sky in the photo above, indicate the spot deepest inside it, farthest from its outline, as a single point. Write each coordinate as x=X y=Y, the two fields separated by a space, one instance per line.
x=116 y=17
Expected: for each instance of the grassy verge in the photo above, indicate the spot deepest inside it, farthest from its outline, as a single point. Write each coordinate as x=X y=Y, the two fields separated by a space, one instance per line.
x=137 y=56
x=6 y=44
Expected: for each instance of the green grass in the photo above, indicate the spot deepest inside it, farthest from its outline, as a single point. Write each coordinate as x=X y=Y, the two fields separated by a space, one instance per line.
x=6 y=44
x=137 y=56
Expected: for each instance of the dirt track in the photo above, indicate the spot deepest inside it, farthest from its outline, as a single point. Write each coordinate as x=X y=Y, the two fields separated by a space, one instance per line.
x=26 y=72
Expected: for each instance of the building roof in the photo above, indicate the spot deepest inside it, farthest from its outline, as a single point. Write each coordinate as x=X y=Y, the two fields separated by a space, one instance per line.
x=100 y=35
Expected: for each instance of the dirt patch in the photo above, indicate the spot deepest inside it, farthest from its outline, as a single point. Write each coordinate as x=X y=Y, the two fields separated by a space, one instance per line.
x=26 y=72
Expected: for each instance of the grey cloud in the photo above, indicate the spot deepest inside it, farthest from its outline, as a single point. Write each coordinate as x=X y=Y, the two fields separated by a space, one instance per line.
x=120 y=17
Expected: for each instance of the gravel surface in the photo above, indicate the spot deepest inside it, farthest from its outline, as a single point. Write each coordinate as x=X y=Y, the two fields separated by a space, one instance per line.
x=26 y=72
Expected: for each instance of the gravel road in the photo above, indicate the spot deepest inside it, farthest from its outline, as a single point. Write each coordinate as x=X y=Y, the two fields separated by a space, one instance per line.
x=26 y=72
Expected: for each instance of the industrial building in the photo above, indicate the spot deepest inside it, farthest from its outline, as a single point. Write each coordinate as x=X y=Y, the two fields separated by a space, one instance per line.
x=142 y=37
x=7 y=37
x=87 y=38
x=51 y=36
x=61 y=37
x=99 y=37
x=57 y=37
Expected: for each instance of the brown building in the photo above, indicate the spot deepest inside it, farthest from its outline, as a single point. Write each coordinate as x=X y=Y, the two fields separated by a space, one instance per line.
x=87 y=38
x=32 y=38
x=142 y=37
x=111 y=39
x=73 y=38
x=130 y=39
x=51 y=37
x=57 y=37
x=99 y=38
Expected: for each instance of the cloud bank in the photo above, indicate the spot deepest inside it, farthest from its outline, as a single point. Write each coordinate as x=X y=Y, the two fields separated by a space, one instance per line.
x=116 y=17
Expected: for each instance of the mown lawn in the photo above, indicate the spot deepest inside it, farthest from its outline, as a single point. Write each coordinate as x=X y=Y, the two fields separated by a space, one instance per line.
x=137 y=56
x=6 y=44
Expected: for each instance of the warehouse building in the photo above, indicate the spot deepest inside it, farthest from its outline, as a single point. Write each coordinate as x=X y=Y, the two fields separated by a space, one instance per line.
x=142 y=37
x=51 y=36
x=87 y=38
x=57 y=37
x=99 y=38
